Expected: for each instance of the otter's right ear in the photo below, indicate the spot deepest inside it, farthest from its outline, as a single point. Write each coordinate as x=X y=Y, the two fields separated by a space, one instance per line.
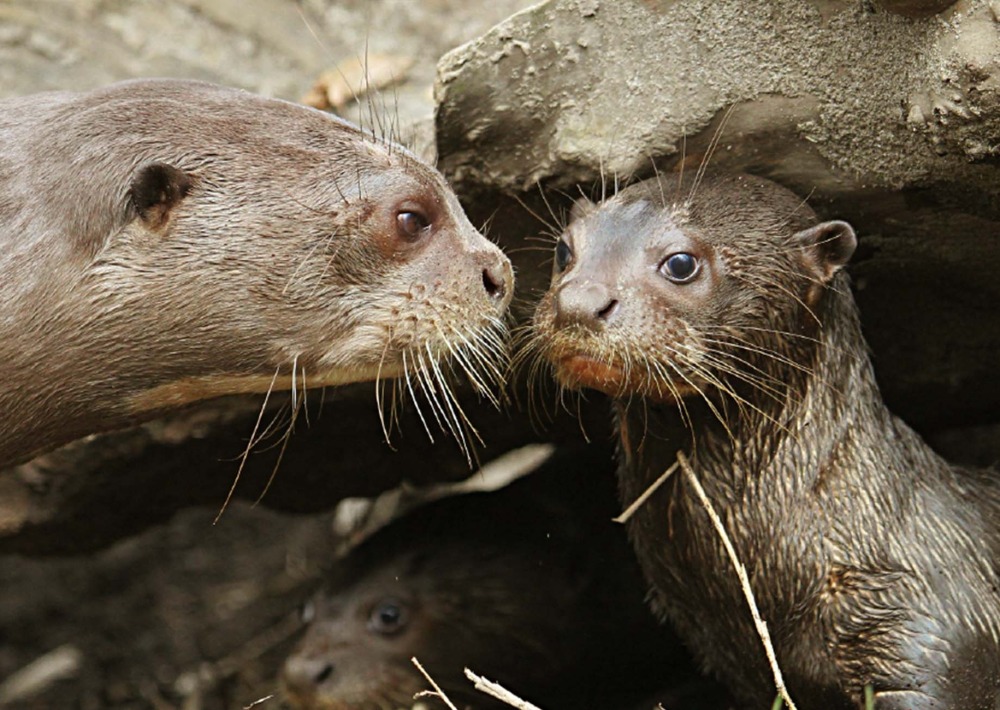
x=828 y=247
x=157 y=188
x=581 y=208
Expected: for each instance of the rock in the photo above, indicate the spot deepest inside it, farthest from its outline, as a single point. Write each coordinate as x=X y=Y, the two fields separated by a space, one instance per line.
x=829 y=96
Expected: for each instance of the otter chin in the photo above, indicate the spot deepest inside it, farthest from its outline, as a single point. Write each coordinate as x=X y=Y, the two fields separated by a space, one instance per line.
x=872 y=560
x=583 y=371
x=169 y=241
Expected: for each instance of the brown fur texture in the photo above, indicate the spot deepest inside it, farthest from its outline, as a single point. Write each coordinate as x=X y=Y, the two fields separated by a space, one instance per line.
x=164 y=241
x=874 y=561
x=532 y=586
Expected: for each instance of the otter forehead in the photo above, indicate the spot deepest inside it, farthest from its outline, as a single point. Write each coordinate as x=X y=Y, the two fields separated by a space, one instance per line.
x=623 y=234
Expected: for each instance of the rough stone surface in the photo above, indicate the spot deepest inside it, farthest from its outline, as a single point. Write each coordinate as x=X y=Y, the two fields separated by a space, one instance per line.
x=272 y=47
x=571 y=88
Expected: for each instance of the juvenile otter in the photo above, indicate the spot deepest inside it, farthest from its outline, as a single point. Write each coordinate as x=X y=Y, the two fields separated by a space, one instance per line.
x=531 y=586
x=164 y=242
x=719 y=319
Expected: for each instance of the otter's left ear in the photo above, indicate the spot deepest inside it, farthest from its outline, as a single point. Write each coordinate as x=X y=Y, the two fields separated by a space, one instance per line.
x=156 y=189
x=828 y=247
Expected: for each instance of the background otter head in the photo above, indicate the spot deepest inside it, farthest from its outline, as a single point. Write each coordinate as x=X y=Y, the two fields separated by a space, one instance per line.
x=531 y=585
x=167 y=241
x=500 y=606
x=667 y=292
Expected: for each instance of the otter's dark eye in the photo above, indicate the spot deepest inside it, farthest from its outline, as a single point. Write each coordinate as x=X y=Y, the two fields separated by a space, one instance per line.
x=388 y=617
x=411 y=225
x=564 y=256
x=680 y=267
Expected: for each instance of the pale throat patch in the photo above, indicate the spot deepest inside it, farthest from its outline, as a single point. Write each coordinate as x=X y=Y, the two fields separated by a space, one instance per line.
x=195 y=389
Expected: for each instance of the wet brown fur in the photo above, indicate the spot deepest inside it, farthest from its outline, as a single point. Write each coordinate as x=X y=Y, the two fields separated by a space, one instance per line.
x=874 y=561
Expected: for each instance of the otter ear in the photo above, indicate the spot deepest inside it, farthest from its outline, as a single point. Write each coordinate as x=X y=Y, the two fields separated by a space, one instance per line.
x=581 y=208
x=828 y=247
x=156 y=189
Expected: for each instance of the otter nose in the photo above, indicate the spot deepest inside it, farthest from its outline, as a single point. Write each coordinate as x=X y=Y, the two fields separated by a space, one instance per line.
x=498 y=279
x=303 y=674
x=589 y=304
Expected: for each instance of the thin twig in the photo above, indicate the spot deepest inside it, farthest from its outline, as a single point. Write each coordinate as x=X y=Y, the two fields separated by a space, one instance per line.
x=437 y=692
x=741 y=572
x=255 y=703
x=497 y=691
x=637 y=503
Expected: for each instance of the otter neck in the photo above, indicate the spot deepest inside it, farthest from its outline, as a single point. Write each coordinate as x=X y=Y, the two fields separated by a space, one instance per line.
x=74 y=360
x=43 y=406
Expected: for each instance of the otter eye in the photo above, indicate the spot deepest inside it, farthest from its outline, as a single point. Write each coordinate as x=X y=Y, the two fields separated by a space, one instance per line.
x=388 y=617
x=564 y=255
x=680 y=267
x=411 y=225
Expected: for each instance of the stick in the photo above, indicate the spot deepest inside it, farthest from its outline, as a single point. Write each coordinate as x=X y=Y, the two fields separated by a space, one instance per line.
x=437 y=692
x=498 y=691
x=741 y=572
x=637 y=503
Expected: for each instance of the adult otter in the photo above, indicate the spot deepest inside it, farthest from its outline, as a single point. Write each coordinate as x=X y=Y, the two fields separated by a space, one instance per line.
x=531 y=586
x=163 y=242
x=720 y=320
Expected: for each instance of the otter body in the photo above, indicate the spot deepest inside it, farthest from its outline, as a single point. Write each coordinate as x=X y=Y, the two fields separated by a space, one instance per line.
x=163 y=242
x=532 y=586
x=720 y=321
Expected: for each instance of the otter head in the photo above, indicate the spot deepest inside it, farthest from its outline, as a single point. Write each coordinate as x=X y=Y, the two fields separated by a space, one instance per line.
x=219 y=242
x=360 y=637
x=452 y=598
x=660 y=294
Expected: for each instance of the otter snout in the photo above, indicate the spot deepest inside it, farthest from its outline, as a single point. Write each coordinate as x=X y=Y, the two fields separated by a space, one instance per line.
x=303 y=674
x=498 y=278
x=586 y=303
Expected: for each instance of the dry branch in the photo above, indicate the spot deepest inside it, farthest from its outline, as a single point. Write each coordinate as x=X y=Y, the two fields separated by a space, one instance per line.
x=741 y=572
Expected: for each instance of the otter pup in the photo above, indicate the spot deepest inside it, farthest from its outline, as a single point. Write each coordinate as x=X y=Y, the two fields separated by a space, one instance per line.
x=163 y=242
x=532 y=586
x=720 y=320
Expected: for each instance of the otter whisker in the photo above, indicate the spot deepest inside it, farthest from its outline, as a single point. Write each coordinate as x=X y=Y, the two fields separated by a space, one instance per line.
x=296 y=406
x=451 y=400
x=665 y=380
x=380 y=385
x=437 y=388
x=555 y=227
x=413 y=396
x=756 y=349
x=249 y=446
x=713 y=144
x=763 y=381
x=427 y=387
x=461 y=356
x=705 y=397
x=766 y=331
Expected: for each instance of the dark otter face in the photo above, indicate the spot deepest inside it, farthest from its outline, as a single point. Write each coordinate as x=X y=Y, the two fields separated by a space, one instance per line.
x=356 y=652
x=657 y=295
